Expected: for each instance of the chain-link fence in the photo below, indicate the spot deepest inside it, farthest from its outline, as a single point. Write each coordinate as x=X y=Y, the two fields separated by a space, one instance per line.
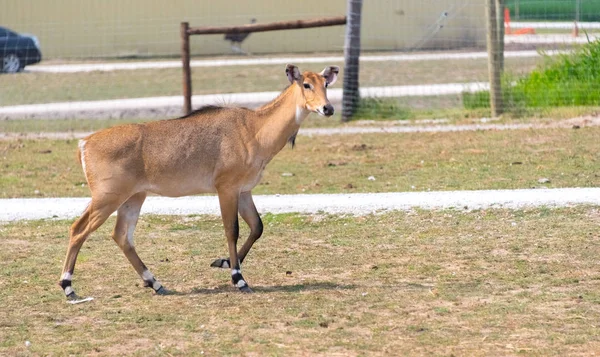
x=111 y=51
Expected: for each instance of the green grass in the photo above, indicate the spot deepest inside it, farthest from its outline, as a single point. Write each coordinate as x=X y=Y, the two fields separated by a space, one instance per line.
x=481 y=283
x=343 y=163
x=567 y=79
x=32 y=87
x=564 y=80
x=385 y=109
x=555 y=10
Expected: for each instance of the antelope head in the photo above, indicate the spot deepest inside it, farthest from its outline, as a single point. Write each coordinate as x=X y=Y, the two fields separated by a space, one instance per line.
x=313 y=87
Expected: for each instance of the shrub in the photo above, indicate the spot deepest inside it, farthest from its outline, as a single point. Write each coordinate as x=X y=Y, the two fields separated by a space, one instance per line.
x=564 y=80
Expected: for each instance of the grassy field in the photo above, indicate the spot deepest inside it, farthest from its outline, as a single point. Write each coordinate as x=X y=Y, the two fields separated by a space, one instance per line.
x=51 y=87
x=481 y=283
x=337 y=164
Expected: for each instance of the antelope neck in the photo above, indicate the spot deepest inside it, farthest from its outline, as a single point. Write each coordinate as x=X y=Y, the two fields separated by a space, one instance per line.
x=281 y=119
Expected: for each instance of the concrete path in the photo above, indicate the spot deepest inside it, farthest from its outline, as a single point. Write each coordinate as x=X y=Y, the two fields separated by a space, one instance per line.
x=440 y=56
x=555 y=25
x=356 y=204
x=246 y=99
x=549 y=39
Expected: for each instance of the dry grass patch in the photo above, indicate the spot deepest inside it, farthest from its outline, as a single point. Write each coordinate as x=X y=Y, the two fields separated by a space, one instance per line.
x=344 y=163
x=406 y=110
x=489 y=282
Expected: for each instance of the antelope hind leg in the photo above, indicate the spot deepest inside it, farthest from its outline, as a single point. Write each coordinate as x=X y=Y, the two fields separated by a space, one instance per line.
x=222 y=263
x=95 y=214
x=127 y=217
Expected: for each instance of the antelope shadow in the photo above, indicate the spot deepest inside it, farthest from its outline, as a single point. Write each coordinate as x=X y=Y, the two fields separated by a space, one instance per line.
x=226 y=288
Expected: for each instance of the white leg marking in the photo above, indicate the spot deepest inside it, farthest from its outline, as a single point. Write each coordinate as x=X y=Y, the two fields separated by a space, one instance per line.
x=73 y=302
x=130 y=229
x=68 y=290
x=147 y=275
x=241 y=283
x=235 y=271
x=67 y=276
x=225 y=264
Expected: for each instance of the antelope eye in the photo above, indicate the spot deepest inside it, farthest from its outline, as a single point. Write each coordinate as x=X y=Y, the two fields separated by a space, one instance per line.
x=307 y=86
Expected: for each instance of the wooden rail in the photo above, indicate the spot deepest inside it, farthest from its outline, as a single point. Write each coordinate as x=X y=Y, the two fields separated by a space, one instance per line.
x=187 y=31
x=272 y=26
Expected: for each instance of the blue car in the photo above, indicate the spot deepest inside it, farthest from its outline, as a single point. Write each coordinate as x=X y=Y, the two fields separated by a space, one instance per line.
x=17 y=51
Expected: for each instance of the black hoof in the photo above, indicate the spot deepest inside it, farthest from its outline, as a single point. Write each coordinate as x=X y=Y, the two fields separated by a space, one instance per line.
x=246 y=290
x=162 y=291
x=221 y=263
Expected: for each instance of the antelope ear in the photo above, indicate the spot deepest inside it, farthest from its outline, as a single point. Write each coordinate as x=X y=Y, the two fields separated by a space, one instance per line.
x=330 y=73
x=293 y=73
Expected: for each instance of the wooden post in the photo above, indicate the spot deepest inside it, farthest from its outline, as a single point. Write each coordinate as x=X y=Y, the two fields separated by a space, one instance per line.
x=350 y=95
x=493 y=59
x=187 y=72
x=500 y=23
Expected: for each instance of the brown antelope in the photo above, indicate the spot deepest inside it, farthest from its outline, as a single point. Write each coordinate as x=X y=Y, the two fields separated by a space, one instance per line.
x=214 y=149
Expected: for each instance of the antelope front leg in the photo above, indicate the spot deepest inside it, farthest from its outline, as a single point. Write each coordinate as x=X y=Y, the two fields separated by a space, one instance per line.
x=229 y=212
x=250 y=215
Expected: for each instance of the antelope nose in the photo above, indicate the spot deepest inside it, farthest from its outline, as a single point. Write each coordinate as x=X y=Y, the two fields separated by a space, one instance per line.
x=328 y=110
